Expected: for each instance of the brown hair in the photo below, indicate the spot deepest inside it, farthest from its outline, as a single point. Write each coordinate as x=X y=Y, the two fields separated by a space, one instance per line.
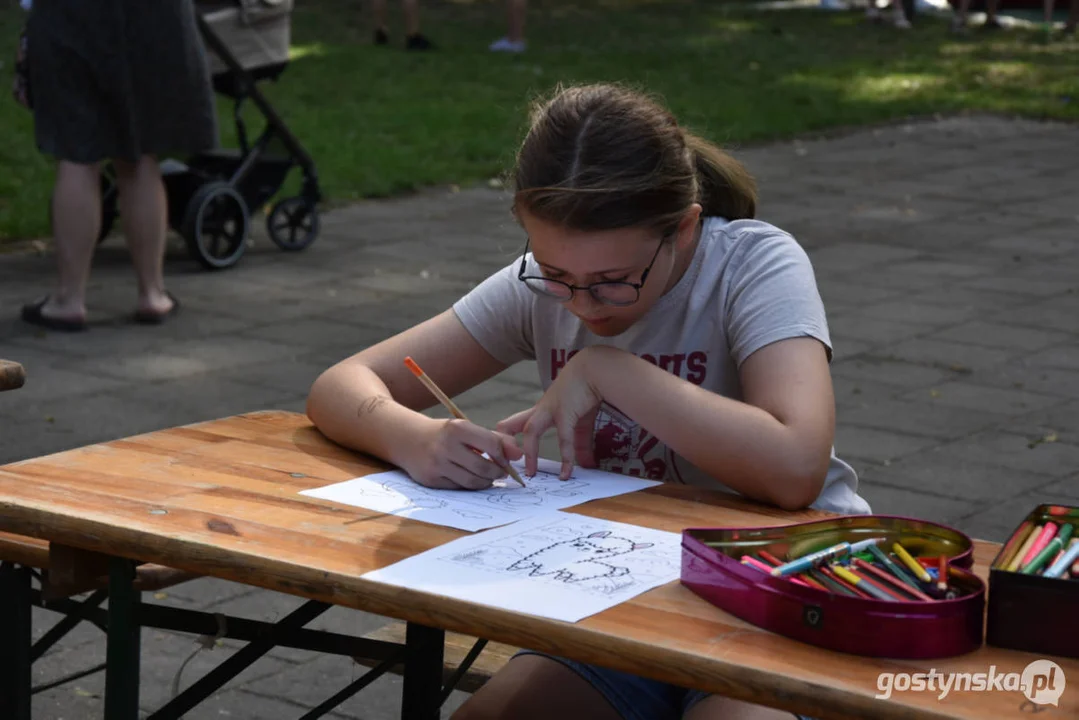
x=602 y=157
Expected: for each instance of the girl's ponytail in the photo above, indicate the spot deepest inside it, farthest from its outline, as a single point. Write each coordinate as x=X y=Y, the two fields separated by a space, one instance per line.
x=726 y=188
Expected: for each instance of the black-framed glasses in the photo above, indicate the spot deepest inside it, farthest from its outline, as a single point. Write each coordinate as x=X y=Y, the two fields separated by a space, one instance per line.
x=609 y=292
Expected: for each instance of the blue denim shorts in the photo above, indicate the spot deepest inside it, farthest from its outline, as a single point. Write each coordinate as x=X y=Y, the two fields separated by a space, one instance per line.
x=634 y=697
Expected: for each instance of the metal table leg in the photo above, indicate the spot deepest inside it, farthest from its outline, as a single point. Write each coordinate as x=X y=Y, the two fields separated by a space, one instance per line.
x=15 y=639
x=421 y=694
x=123 y=653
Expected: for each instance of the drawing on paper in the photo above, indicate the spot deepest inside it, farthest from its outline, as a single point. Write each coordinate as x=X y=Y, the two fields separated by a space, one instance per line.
x=597 y=560
x=396 y=493
x=579 y=559
x=558 y=565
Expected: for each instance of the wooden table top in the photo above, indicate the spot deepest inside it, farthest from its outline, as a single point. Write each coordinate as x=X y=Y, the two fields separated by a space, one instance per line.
x=221 y=498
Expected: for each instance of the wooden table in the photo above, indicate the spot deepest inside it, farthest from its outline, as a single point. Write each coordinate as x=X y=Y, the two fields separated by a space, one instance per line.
x=221 y=498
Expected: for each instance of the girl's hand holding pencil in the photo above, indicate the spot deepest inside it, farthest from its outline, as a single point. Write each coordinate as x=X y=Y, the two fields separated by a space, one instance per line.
x=451 y=456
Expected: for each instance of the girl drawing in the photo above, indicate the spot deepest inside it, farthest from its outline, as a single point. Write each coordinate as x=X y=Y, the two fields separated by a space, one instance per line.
x=647 y=286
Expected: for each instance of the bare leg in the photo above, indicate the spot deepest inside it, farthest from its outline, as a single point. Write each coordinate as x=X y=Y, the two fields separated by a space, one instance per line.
x=516 y=19
x=144 y=213
x=412 y=16
x=76 y=222
x=1073 y=17
x=522 y=690
x=716 y=707
x=378 y=10
x=1048 y=8
x=991 y=11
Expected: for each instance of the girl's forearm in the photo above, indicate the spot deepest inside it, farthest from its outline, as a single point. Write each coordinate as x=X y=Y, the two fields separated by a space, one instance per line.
x=353 y=407
x=740 y=445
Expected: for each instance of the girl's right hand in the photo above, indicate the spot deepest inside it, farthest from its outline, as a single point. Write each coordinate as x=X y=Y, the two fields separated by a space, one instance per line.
x=449 y=456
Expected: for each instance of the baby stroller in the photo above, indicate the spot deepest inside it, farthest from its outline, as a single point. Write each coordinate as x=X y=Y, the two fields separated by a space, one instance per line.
x=211 y=194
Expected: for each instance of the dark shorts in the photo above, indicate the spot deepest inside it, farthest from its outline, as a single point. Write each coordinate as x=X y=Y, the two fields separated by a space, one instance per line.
x=119 y=79
x=634 y=697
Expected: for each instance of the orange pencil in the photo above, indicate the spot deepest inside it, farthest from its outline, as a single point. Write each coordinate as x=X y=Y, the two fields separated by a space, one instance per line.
x=452 y=407
x=942 y=574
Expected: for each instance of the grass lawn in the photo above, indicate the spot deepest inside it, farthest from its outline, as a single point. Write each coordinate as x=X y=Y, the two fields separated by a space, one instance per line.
x=379 y=120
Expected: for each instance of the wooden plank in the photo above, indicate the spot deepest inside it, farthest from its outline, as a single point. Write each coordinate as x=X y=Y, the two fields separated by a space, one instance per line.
x=12 y=375
x=221 y=498
x=491 y=659
x=23 y=550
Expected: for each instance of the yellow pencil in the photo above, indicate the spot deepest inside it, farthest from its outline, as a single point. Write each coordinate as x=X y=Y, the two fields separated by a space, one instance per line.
x=452 y=407
x=914 y=565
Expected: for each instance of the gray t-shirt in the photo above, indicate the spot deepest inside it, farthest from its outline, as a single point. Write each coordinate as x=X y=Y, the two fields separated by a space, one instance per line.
x=749 y=284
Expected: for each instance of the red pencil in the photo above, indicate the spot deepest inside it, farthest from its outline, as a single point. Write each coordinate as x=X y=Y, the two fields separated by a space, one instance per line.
x=763 y=567
x=776 y=562
x=832 y=576
x=880 y=586
x=894 y=581
x=942 y=574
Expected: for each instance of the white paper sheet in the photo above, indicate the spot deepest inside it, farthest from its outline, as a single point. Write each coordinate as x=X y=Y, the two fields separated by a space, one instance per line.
x=556 y=565
x=396 y=493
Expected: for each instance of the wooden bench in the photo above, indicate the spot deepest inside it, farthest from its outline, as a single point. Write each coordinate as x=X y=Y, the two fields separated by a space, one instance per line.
x=64 y=572
x=458 y=649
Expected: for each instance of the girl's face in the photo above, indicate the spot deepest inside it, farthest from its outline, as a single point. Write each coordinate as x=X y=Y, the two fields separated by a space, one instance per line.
x=582 y=258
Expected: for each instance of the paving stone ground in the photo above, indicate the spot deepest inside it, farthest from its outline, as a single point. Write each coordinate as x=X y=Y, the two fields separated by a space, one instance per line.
x=947 y=253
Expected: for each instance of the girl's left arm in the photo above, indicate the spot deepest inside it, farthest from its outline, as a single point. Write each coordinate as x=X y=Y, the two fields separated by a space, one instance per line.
x=774 y=446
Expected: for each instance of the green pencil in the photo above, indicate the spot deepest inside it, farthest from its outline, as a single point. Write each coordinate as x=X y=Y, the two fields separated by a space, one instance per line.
x=894 y=568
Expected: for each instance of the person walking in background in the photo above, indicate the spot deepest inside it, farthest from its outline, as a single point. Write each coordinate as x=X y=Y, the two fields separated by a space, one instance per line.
x=959 y=22
x=120 y=80
x=514 y=41
x=414 y=39
x=1069 y=24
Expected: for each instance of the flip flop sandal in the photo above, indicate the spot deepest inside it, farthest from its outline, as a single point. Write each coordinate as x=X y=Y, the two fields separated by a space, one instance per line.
x=33 y=314
x=152 y=318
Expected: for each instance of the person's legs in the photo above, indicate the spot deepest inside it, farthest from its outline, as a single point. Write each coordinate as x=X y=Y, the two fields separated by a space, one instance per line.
x=412 y=16
x=1073 y=17
x=76 y=221
x=144 y=213
x=514 y=40
x=378 y=13
x=716 y=707
x=536 y=687
x=516 y=20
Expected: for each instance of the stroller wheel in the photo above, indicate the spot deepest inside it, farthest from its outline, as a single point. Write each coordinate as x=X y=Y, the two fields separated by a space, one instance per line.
x=293 y=223
x=215 y=226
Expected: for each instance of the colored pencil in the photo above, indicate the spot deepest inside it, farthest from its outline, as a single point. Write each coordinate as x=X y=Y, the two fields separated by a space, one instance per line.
x=1013 y=566
x=942 y=574
x=827 y=571
x=1049 y=550
x=893 y=568
x=875 y=583
x=910 y=562
x=860 y=583
x=755 y=563
x=1015 y=543
x=833 y=585
x=454 y=410
x=1048 y=530
x=894 y=581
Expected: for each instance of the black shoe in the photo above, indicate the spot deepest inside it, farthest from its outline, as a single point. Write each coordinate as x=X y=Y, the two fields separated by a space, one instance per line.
x=33 y=314
x=418 y=42
x=381 y=38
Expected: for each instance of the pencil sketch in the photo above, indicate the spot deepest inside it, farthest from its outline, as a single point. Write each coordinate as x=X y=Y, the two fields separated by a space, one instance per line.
x=572 y=552
x=396 y=493
x=559 y=565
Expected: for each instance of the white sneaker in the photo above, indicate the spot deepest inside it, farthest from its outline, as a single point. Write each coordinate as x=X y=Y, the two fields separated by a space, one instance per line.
x=507 y=45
